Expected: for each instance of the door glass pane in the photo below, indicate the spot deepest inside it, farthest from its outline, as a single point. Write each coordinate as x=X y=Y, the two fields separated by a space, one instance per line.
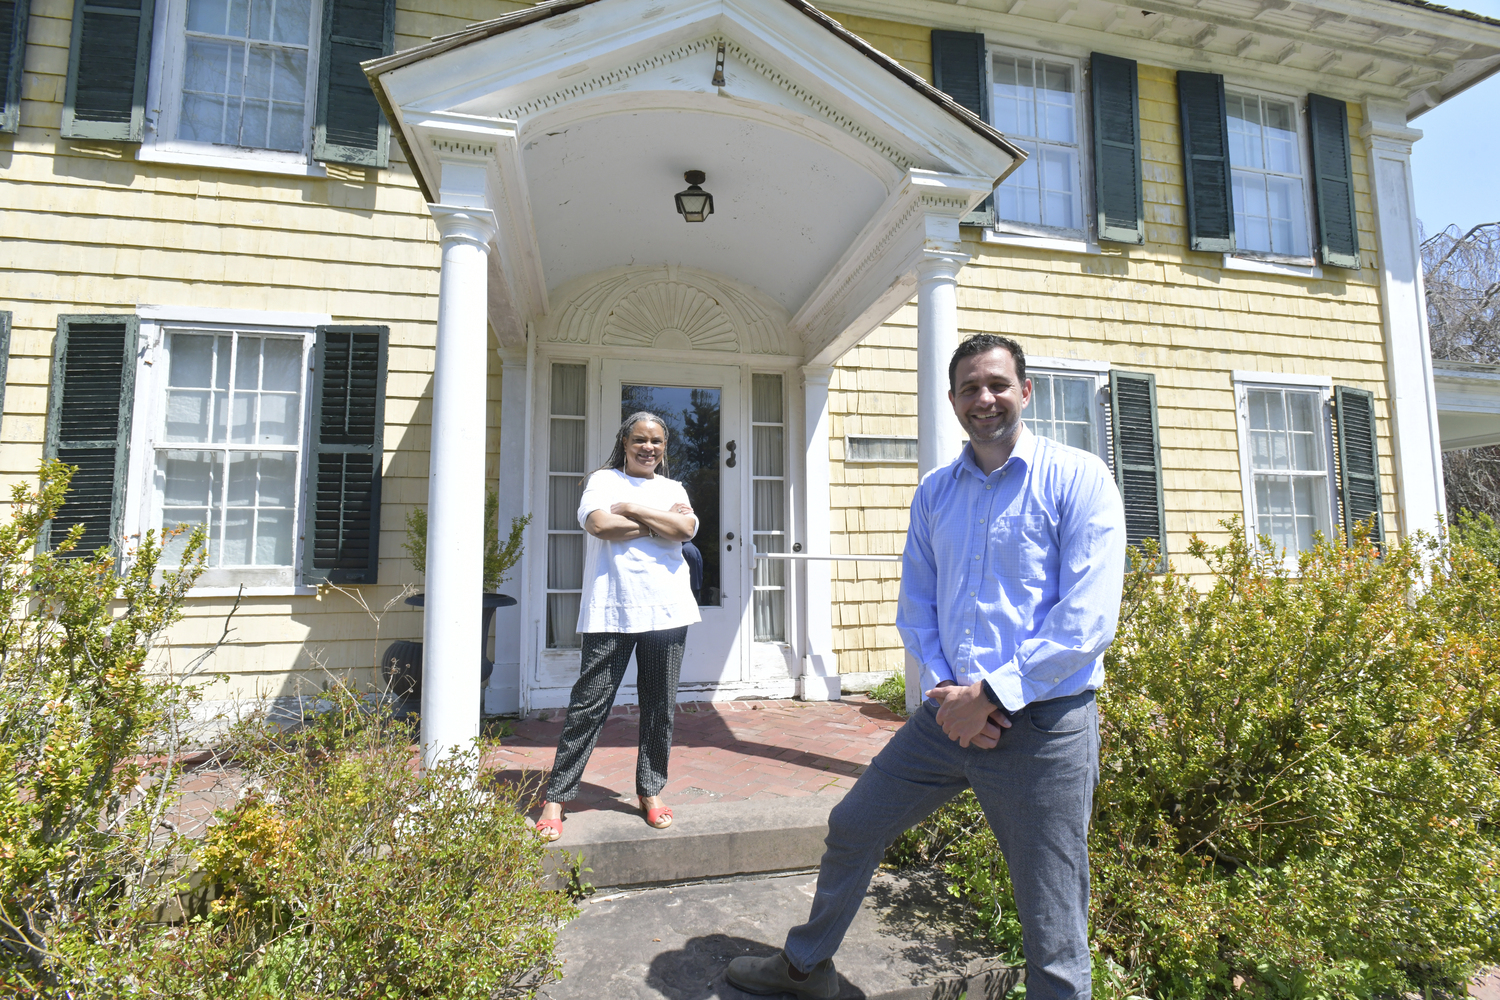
x=566 y=460
x=691 y=417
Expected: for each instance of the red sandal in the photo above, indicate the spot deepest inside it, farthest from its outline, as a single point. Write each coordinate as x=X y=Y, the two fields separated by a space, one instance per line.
x=549 y=829
x=657 y=817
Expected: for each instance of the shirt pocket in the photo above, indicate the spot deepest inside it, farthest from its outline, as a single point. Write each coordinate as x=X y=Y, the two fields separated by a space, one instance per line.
x=1022 y=547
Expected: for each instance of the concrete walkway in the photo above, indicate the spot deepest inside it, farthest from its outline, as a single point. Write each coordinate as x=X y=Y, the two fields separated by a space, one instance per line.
x=673 y=943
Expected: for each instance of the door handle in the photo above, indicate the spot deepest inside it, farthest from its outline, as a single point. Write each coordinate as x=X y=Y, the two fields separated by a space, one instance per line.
x=730 y=461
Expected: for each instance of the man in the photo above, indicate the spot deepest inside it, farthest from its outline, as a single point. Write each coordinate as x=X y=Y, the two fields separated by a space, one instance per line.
x=1010 y=593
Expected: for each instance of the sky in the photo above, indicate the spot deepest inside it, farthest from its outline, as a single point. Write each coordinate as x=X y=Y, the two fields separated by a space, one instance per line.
x=1456 y=164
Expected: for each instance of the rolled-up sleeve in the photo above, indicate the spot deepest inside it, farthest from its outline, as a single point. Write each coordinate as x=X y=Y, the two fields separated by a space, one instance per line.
x=917 y=611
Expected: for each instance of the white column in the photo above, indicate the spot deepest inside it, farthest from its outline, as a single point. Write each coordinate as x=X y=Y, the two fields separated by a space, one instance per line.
x=939 y=436
x=503 y=696
x=1417 y=449
x=819 y=680
x=455 y=487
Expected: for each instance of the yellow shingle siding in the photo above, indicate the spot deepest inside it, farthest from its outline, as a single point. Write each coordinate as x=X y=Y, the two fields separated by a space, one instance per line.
x=88 y=229
x=1157 y=308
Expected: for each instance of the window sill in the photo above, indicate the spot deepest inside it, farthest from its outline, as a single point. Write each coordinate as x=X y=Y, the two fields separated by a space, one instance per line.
x=255 y=161
x=1063 y=244
x=283 y=591
x=1292 y=267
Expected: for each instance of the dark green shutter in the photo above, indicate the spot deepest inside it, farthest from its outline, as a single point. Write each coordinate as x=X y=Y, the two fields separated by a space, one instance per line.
x=1359 y=467
x=1117 y=149
x=350 y=126
x=108 y=63
x=342 y=535
x=1137 y=447
x=13 y=17
x=88 y=422
x=1333 y=181
x=958 y=70
x=1205 y=161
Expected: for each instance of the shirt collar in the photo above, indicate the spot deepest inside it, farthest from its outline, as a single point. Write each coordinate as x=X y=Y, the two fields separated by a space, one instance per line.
x=1024 y=452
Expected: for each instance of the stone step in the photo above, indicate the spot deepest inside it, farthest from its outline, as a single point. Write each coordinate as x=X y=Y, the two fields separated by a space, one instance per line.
x=705 y=841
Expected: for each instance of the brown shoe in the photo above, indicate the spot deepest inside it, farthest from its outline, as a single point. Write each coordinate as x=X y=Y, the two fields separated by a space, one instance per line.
x=773 y=974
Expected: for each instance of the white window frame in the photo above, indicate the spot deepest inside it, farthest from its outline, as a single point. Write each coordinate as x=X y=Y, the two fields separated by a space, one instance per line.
x=1081 y=368
x=1082 y=239
x=142 y=499
x=1306 y=265
x=164 y=104
x=1323 y=385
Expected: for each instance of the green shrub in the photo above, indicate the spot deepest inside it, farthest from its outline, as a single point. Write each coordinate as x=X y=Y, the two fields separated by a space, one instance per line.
x=88 y=747
x=1301 y=778
x=343 y=872
x=350 y=873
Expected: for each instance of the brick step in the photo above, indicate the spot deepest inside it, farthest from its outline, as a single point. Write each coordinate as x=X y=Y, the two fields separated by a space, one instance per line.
x=705 y=841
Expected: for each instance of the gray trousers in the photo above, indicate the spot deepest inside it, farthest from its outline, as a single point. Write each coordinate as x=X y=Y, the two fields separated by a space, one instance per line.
x=1037 y=791
x=606 y=656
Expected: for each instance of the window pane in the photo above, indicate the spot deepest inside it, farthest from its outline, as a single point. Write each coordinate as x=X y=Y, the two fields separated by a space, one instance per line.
x=1287 y=216
x=1281 y=138
x=770 y=512
x=565 y=562
x=1056 y=115
x=1245 y=146
x=565 y=450
x=290 y=22
x=1041 y=399
x=281 y=363
x=563 y=494
x=568 y=389
x=770 y=616
x=562 y=621
x=1076 y=393
x=247 y=363
x=1059 y=170
x=769 y=451
x=187 y=415
x=279 y=417
x=765 y=393
x=273 y=538
x=1019 y=198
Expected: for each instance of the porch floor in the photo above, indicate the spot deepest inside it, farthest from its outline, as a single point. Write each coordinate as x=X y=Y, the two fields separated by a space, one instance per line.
x=721 y=751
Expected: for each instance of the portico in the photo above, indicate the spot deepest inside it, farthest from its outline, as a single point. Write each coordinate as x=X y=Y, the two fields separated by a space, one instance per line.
x=549 y=144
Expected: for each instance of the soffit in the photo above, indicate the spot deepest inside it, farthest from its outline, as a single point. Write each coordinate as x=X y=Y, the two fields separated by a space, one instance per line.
x=1405 y=50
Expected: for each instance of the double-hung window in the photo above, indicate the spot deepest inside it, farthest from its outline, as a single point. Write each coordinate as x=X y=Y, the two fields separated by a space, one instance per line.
x=264 y=429
x=1036 y=102
x=1286 y=458
x=229 y=452
x=1267 y=176
x=1067 y=402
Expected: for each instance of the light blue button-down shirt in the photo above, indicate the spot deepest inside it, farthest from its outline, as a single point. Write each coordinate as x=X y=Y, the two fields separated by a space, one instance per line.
x=1014 y=578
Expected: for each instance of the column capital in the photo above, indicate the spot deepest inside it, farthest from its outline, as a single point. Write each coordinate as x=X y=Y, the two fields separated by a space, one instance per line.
x=817 y=375
x=1385 y=128
x=462 y=224
x=938 y=263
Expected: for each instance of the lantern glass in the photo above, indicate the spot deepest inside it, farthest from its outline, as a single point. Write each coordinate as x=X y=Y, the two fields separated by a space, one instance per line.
x=695 y=204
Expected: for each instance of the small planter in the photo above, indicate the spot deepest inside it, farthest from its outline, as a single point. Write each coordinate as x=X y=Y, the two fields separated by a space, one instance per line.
x=401 y=666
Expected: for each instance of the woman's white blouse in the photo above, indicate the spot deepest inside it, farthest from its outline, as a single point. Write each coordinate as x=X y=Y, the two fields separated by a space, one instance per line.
x=639 y=585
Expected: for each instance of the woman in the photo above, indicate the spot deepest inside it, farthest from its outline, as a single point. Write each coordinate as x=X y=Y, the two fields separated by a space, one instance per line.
x=636 y=597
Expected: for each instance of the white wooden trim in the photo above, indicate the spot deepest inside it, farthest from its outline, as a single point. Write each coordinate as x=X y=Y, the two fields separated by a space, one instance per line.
x=163 y=103
x=1065 y=364
x=1304 y=157
x=1059 y=244
x=1280 y=381
x=1007 y=230
x=1265 y=265
x=143 y=503
x=231 y=317
x=1242 y=432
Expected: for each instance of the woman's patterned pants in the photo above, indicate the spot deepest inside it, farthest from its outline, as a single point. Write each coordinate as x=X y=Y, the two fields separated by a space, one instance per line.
x=606 y=655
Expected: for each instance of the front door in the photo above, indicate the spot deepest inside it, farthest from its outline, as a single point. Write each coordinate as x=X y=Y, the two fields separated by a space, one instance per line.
x=701 y=407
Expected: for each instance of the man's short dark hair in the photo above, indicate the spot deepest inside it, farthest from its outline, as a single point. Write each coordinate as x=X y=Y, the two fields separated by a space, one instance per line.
x=982 y=343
